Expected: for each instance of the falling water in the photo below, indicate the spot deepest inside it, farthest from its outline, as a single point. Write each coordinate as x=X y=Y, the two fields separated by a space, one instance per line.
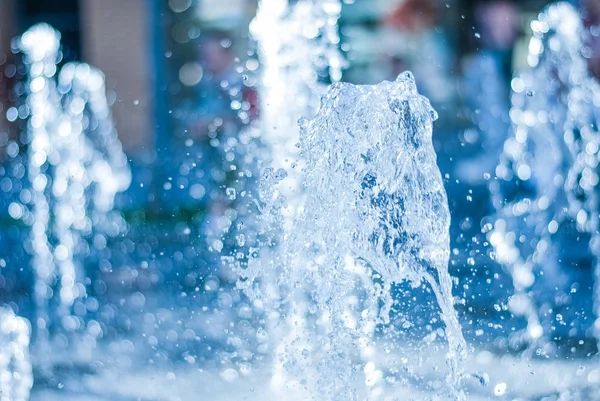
x=75 y=167
x=547 y=175
x=374 y=199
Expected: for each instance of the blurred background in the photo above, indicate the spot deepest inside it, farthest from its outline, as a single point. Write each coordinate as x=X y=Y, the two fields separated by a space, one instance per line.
x=181 y=77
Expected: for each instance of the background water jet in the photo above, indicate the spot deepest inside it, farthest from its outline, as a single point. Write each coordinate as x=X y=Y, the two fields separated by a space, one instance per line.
x=547 y=169
x=75 y=167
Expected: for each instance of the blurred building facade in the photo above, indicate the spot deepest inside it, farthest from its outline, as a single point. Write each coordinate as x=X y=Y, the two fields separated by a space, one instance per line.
x=111 y=35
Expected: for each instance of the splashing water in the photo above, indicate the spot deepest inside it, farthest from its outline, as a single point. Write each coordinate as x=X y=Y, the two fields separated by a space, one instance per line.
x=16 y=378
x=375 y=201
x=75 y=167
x=548 y=171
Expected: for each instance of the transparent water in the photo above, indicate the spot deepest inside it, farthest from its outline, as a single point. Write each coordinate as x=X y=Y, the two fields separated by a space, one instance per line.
x=350 y=213
x=375 y=213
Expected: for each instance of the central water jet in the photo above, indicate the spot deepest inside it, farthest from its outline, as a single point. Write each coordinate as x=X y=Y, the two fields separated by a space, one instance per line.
x=374 y=199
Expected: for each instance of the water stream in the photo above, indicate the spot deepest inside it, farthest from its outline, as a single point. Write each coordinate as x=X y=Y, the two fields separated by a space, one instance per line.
x=374 y=199
x=75 y=166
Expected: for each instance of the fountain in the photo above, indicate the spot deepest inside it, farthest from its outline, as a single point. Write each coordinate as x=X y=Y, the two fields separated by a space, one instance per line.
x=374 y=198
x=352 y=220
x=309 y=319
x=547 y=174
x=75 y=167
